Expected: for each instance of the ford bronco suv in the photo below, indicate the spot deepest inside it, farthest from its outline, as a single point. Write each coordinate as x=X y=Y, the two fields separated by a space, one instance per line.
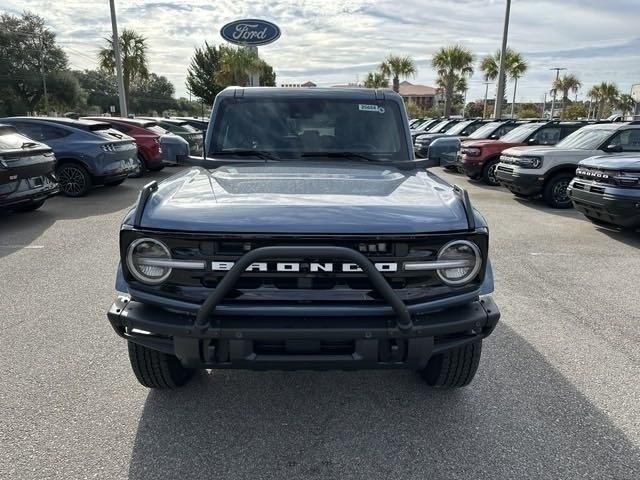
x=606 y=189
x=547 y=171
x=479 y=158
x=308 y=238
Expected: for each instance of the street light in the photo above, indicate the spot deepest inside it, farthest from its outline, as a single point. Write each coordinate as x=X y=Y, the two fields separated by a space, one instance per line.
x=555 y=90
x=497 y=113
x=116 y=54
x=486 y=93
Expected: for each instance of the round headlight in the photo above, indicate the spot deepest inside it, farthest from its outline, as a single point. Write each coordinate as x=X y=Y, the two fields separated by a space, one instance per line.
x=464 y=260
x=145 y=258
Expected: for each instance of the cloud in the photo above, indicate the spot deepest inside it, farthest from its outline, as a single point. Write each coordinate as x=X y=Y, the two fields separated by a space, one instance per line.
x=333 y=41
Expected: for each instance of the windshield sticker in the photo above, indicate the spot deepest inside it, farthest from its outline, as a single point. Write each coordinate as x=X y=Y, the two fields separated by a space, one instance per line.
x=370 y=108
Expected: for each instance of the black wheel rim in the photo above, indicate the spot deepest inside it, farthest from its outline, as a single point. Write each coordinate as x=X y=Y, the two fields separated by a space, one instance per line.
x=491 y=174
x=560 y=192
x=71 y=180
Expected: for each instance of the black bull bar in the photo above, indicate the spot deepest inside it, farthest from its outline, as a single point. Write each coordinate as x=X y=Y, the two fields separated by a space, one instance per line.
x=207 y=311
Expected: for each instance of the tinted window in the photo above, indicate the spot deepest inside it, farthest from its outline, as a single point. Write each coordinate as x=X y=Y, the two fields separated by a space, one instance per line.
x=290 y=127
x=521 y=133
x=629 y=140
x=458 y=128
x=41 y=133
x=547 y=136
x=503 y=130
x=485 y=130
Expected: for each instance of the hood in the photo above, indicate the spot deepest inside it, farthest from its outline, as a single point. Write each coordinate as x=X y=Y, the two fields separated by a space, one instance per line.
x=304 y=198
x=431 y=136
x=628 y=163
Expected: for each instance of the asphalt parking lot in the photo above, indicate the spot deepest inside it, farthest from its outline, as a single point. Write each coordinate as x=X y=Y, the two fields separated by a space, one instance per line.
x=557 y=393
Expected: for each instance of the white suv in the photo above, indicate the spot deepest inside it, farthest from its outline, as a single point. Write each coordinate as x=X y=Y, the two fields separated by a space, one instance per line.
x=547 y=171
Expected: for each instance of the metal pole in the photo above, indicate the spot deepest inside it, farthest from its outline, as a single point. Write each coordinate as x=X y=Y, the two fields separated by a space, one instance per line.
x=544 y=105
x=116 y=54
x=486 y=94
x=497 y=113
x=555 y=90
x=44 y=77
x=513 y=104
x=254 y=77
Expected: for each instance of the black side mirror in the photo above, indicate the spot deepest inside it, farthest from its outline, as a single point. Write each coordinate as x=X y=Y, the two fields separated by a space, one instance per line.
x=613 y=149
x=533 y=141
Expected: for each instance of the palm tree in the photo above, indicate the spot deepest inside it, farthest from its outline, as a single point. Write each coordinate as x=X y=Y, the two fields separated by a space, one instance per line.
x=605 y=94
x=235 y=65
x=376 y=80
x=133 y=51
x=566 y=83
x=595 y=95
x=515 y=67
x=626 y=103
x=460 y=87
x=395 y=66
x=452 y=64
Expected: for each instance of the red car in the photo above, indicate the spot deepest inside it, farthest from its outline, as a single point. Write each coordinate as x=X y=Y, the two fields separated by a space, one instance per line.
x=147 y=136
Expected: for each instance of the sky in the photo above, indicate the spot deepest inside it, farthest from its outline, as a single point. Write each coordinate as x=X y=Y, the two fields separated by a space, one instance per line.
x=332 y=42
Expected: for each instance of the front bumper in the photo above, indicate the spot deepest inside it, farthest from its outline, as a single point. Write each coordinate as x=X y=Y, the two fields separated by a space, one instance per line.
x=303 y=342
x=617 y=206
x=471 y=168
x=522 y=183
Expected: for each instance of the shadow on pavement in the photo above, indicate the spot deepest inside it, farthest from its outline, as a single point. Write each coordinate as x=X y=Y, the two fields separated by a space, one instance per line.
x=519 y=419
x=538 y=204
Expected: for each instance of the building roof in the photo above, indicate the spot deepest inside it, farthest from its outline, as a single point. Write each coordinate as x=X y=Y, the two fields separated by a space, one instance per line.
x=308 y=83
x=412 y=90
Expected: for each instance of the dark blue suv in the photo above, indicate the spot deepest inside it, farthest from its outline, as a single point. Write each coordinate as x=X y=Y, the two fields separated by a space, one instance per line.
x=88 y=152
x=309 y=238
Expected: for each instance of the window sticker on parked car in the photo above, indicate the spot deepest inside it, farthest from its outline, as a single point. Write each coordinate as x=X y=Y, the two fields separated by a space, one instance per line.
x=370 y=108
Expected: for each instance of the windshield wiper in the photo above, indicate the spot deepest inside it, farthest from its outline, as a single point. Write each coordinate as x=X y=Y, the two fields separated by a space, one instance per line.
x=359 y=156
x=245 y=153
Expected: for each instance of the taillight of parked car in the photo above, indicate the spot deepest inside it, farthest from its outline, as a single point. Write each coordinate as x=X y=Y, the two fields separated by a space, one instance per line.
x=108 y=147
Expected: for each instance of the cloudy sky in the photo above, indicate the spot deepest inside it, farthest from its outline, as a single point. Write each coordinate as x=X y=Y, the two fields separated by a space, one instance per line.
x=330 y=42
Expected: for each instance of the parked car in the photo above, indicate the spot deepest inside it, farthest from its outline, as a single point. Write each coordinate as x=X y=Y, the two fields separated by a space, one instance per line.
x=607 y=189
x=192 y=135
x=88 y=153
x=199 y=123
x=424 y=125
x=346 y=254
x=437 y=127
x=547 y=171
x=479 y=158
x=26 y=171
x=460 y=129
x=146 y=134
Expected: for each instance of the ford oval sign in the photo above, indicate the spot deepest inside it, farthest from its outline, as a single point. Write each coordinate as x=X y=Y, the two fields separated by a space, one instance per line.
x=250 y=32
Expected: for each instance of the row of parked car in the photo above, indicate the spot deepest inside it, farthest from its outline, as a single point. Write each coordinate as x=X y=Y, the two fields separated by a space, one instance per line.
x=592 y=166
x=42 y=156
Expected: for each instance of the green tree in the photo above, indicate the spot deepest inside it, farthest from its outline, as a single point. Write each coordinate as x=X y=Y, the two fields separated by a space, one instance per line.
x=605 y=94
x=100 y=88
x=627 y=104
x=27 y=48
x=267 y=74
x=565 y=84
x=235 y=65
x=460 y=86
x=474 y=109
x=515 y=68
x=576 y=110
x=396 y=66
x=414 y=110
x=201 y=74
x=453 y=64
x=376 y=80
x=133 y=51
x=528 y=110
x=154 y=93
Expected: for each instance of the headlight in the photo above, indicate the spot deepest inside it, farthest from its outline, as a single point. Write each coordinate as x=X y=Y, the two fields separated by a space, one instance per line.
x=528 y=162
x=464 y=262
x=472 y=151
x=147 y=259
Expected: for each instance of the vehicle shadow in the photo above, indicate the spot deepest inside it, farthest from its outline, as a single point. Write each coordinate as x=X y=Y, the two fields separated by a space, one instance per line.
x=520 y=418
x=538 y=204
x=19 y=230
x=626 y=236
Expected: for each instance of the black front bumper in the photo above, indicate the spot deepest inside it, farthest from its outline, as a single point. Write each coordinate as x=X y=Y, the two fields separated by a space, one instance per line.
x=607 y=205
x=472 y=169
x=303 y=343
x=522 y=183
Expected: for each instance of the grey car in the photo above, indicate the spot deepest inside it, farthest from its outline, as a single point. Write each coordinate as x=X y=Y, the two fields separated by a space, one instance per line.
x=88 y=152
x=184 y=130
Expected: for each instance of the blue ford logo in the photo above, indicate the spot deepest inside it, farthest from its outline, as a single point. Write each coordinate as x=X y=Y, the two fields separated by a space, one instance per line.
x=250 y=32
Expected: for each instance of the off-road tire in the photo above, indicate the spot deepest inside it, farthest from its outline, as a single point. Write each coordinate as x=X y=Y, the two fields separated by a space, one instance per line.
x=551 y=193
x=454 y=368
x=74 y=179
x=114 y=183
x=29 y=207
x=155 y=369
x=489 y=172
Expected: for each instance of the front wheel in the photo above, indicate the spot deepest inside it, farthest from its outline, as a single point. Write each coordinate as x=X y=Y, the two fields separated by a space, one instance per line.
x=155 y=369
x=489 y=173
x=454 y=368
x=555 y=191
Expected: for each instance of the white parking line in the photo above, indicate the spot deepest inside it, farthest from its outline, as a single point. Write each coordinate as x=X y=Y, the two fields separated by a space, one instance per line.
x=33 y=247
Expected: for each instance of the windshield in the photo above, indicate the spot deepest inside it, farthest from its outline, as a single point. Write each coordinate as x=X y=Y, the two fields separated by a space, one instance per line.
x=424 y=125
x=459 y=127
x=586 y=139
x=293 y=127
x=485 y=131
x=439 y=126
x=520 y=134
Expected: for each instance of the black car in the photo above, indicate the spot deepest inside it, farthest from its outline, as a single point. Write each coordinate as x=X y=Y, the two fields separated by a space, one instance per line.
x=199 y=123
x=27 y=176
x=460 y=130
x=310 y=238
x=606 y=189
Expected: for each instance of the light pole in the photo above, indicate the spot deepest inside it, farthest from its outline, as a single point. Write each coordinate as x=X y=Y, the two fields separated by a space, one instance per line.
x=116 y=54
x=486 y=94
x=44 y=77
x=555 y=90
x=497 y=113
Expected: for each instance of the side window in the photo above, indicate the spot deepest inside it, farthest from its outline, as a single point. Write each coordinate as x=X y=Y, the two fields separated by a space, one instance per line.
x=629 y=140
x=472 y=128
x=505 y=129
x=51 y=133
x=34 y=132
x=547 y=136
x=120 y=127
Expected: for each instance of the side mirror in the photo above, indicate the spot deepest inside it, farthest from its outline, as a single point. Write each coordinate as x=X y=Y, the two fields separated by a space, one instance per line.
x=533 y=141
x=442 y=151
x=493 y=137
x=613 y=149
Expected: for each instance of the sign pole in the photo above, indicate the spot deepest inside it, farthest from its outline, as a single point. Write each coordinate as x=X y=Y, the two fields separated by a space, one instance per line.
x=254 y=77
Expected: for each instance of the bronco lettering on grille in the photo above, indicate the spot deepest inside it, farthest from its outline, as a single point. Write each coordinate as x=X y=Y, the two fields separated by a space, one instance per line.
x=306 y=267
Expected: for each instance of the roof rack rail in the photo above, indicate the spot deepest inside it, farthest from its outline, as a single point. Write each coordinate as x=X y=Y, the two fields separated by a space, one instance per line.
x=145 y=194
x=466 y=203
